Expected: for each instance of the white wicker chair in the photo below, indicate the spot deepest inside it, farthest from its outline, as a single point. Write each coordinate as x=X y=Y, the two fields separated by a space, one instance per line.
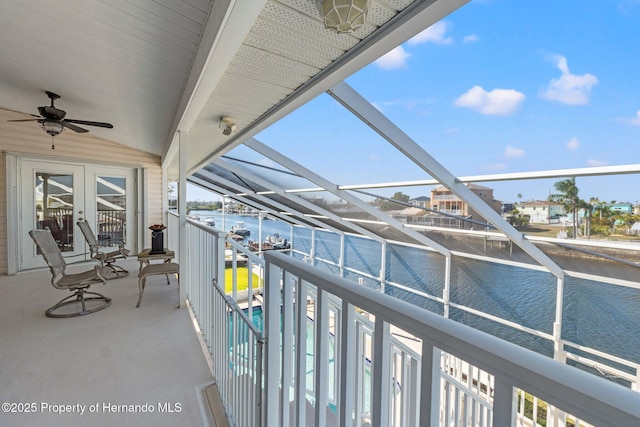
x=79 y=303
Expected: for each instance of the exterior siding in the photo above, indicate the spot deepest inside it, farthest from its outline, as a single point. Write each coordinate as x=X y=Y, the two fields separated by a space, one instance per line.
x=29 y=139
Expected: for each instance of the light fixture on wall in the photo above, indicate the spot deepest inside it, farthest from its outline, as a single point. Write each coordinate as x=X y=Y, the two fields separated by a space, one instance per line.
x=227 y=126
x=344 y=16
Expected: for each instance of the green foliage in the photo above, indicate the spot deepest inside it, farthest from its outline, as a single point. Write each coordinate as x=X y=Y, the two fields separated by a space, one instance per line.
x=388 y=205
x=199 y=205
x=600 y=230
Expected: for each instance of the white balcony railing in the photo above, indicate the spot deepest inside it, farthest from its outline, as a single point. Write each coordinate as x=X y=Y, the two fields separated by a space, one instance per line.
x=341 y=329
x=403 y=389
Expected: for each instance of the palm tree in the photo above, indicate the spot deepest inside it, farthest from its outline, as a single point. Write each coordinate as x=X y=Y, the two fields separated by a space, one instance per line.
x=588 y=209
x=569 y=198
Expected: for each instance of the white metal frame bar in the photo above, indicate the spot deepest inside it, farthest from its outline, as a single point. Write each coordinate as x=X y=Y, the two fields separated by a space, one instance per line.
x=515 y=176
x=296 y=199
x=286 y=218
x=333 y=188
x=384 y=127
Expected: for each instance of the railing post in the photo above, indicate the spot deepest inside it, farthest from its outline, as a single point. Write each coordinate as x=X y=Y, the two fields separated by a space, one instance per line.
x=271 y=312
x=288 y=335
x=321 y=323
x=347 y=368
x=504 y=403
x=301 y=354
x=430 y=386
x=381 y=374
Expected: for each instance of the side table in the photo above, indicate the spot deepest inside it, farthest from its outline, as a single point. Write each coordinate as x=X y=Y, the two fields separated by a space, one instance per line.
x=145 y=258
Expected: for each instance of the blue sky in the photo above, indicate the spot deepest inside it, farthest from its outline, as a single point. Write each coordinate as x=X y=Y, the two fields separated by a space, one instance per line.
x=498 y=86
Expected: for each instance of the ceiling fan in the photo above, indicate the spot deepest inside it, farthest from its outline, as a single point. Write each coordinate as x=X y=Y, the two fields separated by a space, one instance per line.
x=53 y=121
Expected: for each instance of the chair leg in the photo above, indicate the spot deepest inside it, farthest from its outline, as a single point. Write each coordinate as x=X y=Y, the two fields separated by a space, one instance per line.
x=117 y=270
x=79 y=297
x=141 y=283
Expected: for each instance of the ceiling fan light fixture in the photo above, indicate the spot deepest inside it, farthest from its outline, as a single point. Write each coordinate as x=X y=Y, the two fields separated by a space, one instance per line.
x=344 y=16
x=52 y=127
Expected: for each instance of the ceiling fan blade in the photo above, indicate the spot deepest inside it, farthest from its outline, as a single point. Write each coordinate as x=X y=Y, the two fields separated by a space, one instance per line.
x=88 y=123
x=73 y=127
x=24 y=120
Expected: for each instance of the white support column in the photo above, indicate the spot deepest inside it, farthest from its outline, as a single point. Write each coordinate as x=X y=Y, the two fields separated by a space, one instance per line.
x=224 y=212
x=291 y=240
x=182 y=212
x=165 y=194
x=446 y=292
x=370 y=115
x=312 y=252
x=558 y=349
x=342 y=254
x=383 y=267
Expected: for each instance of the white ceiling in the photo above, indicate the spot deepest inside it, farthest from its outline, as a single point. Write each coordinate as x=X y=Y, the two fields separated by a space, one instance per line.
x=122 y=62
x=151 y=67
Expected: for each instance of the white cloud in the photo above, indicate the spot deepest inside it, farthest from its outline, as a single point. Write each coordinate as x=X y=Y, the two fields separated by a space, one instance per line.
x=471 y=38
x=393 y=60
x=573 y=144
x=512 y=152
x=593 y=162
x=633 y=121
x=569 y=88
x=433 y=34
x=499 y=102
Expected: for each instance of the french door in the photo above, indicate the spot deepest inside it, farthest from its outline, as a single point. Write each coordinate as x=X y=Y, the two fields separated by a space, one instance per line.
x=58 y=195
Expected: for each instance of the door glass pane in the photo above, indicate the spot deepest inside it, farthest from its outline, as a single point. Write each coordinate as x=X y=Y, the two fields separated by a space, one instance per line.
x=54 y=207
x=112 y=210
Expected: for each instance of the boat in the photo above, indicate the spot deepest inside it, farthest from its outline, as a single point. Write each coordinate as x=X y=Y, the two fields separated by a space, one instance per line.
x=278 y=242
x=274 y=242
x=240 y=229
x=210 y=221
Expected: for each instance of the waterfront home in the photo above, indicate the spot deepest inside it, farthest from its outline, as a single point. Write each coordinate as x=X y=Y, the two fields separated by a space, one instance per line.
x=445 y=201
x=541 y=211
x=183 y=84
x=421 y=202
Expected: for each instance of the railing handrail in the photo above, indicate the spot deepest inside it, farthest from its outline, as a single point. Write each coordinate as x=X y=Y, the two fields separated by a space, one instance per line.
x=593 y=399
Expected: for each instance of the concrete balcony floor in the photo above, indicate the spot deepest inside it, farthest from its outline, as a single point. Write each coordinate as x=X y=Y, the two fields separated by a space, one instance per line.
x=149 y=356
